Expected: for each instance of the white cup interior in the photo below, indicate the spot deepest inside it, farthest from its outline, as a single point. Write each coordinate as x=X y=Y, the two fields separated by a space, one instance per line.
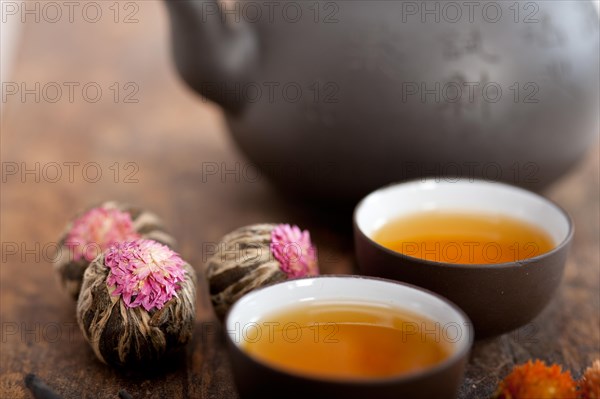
x=389 y=203
x=250 y=309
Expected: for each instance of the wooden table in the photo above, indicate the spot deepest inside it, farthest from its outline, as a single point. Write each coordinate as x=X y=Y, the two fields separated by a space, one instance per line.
x=159 y=145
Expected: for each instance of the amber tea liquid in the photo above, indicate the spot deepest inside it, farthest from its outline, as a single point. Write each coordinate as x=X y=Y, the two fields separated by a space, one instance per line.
x=464 y=238
x=349 y=341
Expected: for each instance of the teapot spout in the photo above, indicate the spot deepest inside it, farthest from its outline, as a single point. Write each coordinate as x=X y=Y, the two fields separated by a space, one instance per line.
x=213 y=56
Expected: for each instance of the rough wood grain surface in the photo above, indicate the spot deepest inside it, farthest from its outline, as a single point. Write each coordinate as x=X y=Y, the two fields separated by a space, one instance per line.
x=159 y=147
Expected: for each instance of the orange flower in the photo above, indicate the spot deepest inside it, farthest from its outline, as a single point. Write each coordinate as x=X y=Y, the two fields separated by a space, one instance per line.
x=590 y=382
x=535 y=380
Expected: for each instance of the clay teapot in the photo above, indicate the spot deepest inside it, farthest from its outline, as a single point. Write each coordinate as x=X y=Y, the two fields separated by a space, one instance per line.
x=333 y=99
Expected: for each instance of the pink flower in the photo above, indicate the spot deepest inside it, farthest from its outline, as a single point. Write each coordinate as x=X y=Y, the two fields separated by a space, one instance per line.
x=144 y=273
x=96 y=230
x=294 y=251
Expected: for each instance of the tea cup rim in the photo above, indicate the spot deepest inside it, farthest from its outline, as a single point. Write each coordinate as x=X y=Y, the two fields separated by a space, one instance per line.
x=520 y=262
x=458 y=354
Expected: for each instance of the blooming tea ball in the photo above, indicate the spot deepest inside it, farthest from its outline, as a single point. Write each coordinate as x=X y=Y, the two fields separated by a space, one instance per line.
x=257 y=255
x=137 y=303
x=93 y=231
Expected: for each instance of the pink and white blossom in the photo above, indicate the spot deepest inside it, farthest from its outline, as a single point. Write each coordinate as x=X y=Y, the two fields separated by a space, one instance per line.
x=98 y=229
x=144 y=273
x=294 y=251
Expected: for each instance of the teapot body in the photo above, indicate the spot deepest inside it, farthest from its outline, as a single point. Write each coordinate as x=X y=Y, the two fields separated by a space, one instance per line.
x=349 y=96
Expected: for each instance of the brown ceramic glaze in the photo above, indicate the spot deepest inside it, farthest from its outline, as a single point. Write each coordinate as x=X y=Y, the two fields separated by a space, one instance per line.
x=336 y=98
x=496 y=297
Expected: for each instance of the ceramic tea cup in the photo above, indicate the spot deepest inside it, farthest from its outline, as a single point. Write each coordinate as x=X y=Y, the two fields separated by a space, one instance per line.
x=256 y=377
x=496 y=297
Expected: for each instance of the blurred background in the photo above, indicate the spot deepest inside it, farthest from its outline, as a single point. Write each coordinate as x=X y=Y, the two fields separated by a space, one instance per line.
x=93 y=109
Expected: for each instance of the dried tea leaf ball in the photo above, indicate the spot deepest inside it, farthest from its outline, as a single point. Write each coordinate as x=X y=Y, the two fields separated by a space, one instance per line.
x=137 y=303
x=257 y=255
x=93 y=231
